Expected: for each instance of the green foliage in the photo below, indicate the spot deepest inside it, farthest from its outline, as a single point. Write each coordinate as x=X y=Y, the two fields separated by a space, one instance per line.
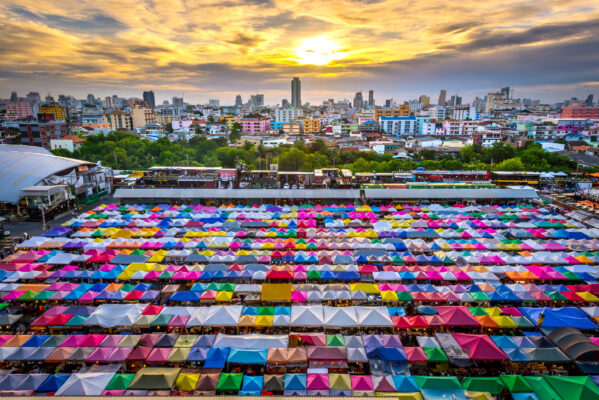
x=123 y=150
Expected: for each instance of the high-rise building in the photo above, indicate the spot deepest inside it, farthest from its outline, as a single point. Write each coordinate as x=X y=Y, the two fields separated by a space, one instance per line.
x=455 y=100
x=506 y=92
x=91 y=99
x=34 y=98
x=371 y=98
x=177 y=101
x=214 y=103
x=238 y=101
x=13 y=96
x=388 y=103
x=589 y=100
x=18 y=110
x=296 y=92
x=257 y=100
x=53 y=112
x=442 y=98
x=424 y=100
x=285 y=103
x=358 y=101
x=108 y=102
x=149 y=98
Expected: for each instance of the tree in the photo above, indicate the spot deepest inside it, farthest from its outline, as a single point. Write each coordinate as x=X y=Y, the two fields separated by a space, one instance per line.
x=427 y=154
x=210 y=118
x=292 y=160
x=511 y=164
x=169 y=127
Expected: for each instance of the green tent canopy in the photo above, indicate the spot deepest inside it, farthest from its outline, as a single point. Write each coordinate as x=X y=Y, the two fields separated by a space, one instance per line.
x=516 y=383
x=120 y=382
x=229 y=382
x=435 y=354
x=493 y=385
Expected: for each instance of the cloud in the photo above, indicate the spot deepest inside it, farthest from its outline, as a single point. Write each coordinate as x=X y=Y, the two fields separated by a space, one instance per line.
x=209 y=47
x=244 y=40
x=485 y=39
x=94 y=21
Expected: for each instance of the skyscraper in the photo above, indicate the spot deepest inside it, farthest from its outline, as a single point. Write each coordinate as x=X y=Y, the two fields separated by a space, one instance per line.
x=424 y=100
x=506 y=92
x=177 y=101
x=455 y=100
x=91 y=99
x=238 y=101
x=296 y=92
x=149 y=98
x=358 y=101
x=371 y=98
x=14 y=97
x=589 y=100
x=442 y=98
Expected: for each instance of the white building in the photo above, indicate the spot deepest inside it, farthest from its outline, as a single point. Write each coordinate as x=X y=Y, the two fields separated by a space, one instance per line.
x=398 y=125
x=437 y=112
x=286 y=115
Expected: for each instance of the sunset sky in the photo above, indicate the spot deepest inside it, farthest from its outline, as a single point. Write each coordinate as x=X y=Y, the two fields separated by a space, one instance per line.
x=217 y=49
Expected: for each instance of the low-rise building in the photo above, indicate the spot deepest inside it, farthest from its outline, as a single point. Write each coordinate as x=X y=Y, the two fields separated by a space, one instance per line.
x=68 y=142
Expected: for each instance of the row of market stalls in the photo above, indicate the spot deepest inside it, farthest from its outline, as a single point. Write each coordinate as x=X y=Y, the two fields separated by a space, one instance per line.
x=343 y=300
x=168 y=381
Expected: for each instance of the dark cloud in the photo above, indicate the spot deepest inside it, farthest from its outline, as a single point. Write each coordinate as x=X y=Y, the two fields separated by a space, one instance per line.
x=485 y=39
x=244 y=40
x=457 y=27
x=95 y=21
x=148 y=49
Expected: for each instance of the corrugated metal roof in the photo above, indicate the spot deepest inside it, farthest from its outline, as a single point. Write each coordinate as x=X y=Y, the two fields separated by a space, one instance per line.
x=440 y=194
x=23 y=166
x=237 y=193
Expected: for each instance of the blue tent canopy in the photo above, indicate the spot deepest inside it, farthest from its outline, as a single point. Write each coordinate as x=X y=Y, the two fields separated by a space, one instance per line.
x=251 y=386
x=405 y=384
x=295 y=381
x=248 y=356
x=216 y=358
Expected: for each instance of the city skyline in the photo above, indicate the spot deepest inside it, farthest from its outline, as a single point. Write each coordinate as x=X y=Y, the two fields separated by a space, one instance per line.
x=545 y=50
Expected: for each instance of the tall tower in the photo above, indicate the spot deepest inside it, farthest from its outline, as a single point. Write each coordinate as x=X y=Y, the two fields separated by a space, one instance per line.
x=238 y=101
x=296 y=92
x=442 y=98
x=371 y=98
x=358 y=101
x=149 y=98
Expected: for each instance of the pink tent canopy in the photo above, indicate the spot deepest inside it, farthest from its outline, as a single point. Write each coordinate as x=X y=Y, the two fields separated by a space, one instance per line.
x=361 y=382
x=479 y=347
x=317 y=381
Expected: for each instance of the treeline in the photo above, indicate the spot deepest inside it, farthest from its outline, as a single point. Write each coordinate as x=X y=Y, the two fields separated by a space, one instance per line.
x=127 y=151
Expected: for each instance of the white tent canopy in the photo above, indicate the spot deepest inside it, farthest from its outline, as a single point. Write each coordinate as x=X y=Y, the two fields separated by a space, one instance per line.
x=85 y=384
x=340 y=317
x=307 y=316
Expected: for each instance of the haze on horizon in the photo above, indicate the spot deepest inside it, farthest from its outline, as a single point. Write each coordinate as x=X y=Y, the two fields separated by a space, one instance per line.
x=544 y=49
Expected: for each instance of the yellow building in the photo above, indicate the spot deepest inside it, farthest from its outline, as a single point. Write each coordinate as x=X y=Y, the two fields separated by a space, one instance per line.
x=293 y=128
x=119 y=121
x=230 y=120
x=401 y=111
x=141 y=115
x=311 y=126
x=54 y=109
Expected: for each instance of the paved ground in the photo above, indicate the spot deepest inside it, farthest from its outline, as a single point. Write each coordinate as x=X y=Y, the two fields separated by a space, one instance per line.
x=35 y=228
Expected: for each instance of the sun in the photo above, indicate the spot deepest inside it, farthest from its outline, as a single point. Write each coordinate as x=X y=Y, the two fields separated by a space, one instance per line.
x=318 y=50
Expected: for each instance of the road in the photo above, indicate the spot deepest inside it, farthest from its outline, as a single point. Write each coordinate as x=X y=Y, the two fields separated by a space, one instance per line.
x=18 y=230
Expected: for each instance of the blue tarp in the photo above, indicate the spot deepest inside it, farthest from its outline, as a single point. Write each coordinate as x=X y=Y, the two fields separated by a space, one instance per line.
x=558 y=317
x=405 y=384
